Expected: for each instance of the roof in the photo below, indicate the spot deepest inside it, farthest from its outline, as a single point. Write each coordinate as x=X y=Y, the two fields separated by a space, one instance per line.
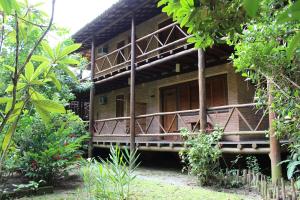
x=115 y=20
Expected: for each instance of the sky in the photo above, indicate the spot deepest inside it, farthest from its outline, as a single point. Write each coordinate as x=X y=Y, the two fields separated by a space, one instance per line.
x=74 y=14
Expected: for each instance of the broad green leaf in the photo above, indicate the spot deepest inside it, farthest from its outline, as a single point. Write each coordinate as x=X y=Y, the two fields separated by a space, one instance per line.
x=43 y=113
x=291 y=168
x=49 y=106
x=29 y=69
x=9 y=5
x=69 y=61
x=292 y=46
x=58 y=50
x=55 y=81
x=19 y=87
x=251 y=7
x=39 y=58
x=41 y=69
x=48 y=49
x=36 y=95
x=7 y=138
x=4 y=100
x=69 y=72
x=69 y=49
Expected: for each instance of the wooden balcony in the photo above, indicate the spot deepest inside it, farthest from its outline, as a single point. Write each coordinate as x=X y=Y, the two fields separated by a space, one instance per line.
x=149 y=48
x=244 y=126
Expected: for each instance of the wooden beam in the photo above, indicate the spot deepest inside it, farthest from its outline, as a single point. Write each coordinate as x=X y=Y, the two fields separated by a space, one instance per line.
x=92 y=94
x=275 y=151
x=132 y=86
x=202 y=92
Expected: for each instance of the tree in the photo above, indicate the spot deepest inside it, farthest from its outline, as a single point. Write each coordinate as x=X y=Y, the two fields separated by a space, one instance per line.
x=266 y=38
x=28 y=65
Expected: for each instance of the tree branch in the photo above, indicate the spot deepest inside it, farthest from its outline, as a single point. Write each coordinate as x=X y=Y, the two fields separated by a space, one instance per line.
x=34 y=24
x=14 y=77
x=39 y=40
x=2 y=32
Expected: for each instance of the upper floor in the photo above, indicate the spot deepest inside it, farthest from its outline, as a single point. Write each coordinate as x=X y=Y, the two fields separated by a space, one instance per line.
x=157 y=38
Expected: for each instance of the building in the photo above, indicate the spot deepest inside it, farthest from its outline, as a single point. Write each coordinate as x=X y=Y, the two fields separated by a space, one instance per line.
x=149 y=82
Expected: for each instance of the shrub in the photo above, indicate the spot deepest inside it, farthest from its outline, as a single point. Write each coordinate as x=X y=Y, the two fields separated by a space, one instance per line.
x=202 y=155
x=45 y=152
x=111 y=178
x=252 y=164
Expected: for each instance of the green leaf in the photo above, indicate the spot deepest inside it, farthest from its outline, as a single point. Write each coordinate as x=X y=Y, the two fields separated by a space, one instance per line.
x=69 y=61
x=55 y=81
x=4 y=100
x=69 y=49
x=251 y=7
x=49 y=106
x=292 y=46
x=9 y=5
x=41 y=69
x=44 y=107
x=46 y=47
x=291 y=168
x=7 y=138
x=39 y=58
x=29 y=69
x=19 y=87
x=35 y=95
x=69 y=72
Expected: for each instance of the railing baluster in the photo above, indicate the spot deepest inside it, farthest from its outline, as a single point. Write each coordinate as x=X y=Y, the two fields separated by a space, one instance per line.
x=172 y=122
x=117 y=121
x=149 y=125
x=169 y=35
x=244 y=119
x=228 y=119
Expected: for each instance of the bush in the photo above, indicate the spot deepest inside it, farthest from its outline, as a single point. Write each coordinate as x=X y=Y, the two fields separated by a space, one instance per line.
x=110 y=179
x=202 y=155
x=45 y=152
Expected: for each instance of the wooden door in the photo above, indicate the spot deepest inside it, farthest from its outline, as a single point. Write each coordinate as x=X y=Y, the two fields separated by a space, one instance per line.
x=169 y=104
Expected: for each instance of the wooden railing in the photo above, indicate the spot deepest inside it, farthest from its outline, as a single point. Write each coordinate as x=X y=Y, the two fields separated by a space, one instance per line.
x=147 y=47
x=242 y=119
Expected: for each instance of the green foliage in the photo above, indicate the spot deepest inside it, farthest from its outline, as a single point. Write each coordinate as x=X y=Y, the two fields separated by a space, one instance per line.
x=46 y=152
x=33 y=74
x=293 y=167
x=265 y=35
x=252 y=164
x=202 y=156
x=112 y=178
x=209 y=21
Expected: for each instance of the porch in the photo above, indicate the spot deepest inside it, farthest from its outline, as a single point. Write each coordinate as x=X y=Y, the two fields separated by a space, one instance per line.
x=245 y=129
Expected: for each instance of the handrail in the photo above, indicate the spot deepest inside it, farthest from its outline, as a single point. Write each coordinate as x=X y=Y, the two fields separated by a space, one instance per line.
x=180 y=112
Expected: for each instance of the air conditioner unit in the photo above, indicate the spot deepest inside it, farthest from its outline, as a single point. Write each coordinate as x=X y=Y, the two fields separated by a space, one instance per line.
x=102 y=51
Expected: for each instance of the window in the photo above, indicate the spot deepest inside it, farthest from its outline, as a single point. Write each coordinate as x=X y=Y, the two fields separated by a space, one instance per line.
x=120 y=104
x=216 y=91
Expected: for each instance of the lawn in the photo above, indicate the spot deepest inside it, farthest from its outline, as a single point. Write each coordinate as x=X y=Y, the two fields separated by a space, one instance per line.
x=151 y=190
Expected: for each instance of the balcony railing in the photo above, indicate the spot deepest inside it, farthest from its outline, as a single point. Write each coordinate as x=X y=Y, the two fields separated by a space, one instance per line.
x=147 y=47
x=241 y=119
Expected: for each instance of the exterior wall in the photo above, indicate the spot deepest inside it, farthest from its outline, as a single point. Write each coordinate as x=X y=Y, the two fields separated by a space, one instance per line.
x=148 y=94
x=142 y=29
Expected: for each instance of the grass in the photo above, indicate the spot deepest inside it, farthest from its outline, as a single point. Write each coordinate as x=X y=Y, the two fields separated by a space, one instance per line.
x=151 y=190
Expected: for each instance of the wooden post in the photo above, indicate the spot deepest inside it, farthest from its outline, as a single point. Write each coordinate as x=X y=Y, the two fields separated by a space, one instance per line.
x=132 y=87
x=92 y=94
x=202 y=92
x=275 y=150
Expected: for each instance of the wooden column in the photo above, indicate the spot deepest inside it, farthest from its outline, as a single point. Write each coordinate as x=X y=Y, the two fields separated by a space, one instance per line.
x=92 y=94
x=202 y=92
x=132 y=87
x=275 y=150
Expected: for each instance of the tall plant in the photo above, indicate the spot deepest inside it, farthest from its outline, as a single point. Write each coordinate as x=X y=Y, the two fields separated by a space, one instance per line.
x=29 y=65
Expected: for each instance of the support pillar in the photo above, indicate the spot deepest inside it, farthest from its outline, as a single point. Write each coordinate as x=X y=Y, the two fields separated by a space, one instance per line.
x=92 y=94
x=132 y=87
x=202 y=92
x=275 y=150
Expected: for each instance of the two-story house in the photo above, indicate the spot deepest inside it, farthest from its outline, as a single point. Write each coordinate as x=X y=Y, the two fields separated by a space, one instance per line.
x=149 y=83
